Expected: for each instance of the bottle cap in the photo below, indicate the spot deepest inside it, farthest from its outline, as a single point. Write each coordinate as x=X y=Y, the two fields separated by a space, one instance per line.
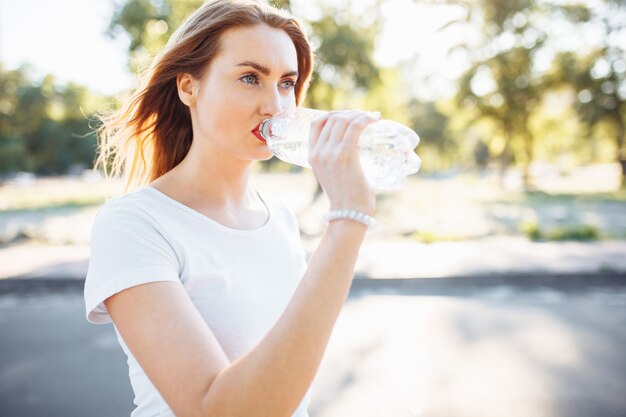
x=264 y=129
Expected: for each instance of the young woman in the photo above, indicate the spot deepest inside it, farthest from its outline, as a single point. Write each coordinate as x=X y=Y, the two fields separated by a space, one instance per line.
x=203 y=278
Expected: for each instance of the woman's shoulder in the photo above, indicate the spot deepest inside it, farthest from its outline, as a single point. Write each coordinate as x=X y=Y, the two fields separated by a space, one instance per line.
x=132 y=205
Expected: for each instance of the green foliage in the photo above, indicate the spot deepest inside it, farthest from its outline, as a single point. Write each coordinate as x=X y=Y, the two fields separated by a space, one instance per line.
x=43 y=126
x=281 y=4
x=437 y=145
x=500 y=84
x=585 y=232
x=345 y=71
x=531 y=230
x=148 y=24
x=348 y=48
x=579 y=232
x=426 y=236
x=12 y=150
x=504 y=85
x=598 y=77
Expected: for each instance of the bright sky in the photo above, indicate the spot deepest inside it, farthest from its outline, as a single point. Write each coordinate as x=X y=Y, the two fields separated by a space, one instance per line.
x=66 y=38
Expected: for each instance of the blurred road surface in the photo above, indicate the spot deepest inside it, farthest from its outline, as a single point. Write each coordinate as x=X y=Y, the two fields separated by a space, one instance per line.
x=489 y=351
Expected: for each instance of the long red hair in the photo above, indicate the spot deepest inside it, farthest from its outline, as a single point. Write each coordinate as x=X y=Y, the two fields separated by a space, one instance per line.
x=151 y=133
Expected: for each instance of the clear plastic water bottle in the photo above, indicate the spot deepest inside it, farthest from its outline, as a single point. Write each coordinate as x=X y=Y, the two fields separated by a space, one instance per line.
x=386 y=148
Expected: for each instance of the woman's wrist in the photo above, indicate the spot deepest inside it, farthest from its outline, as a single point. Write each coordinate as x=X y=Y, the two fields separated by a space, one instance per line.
x=350 y=215
x=347 y=229
x=365 y=207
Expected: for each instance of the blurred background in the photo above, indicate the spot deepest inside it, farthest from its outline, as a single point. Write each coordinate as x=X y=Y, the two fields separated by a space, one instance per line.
x=496 y=282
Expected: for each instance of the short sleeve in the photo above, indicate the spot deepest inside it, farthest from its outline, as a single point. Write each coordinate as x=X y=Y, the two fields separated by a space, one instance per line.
x=128 y=248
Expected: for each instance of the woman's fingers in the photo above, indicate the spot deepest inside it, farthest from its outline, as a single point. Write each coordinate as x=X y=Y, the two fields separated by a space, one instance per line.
x=357 y=126
x=335 y=126
x=336 y=135
x=316 y=128
x=320 y=134
x=333 y=155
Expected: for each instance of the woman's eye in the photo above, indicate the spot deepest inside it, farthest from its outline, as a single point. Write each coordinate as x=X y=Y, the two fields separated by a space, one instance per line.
x=289 y=84
x=249 y=79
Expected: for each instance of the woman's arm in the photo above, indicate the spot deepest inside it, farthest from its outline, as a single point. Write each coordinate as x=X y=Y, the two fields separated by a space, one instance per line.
x=185 y=362
x=272 y=379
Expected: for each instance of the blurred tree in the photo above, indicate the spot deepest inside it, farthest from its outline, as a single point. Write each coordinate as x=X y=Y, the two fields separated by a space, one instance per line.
x=282 y=4
x=12 y=146
x=599 y=76
x=501 y=82
x=44 y=128
x=344 y=55
x=564 y=140
x=505 y=85
x=148 y=24
x=431 y=123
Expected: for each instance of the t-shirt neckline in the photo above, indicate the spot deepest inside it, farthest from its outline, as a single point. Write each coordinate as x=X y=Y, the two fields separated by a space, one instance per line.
x=197 y=214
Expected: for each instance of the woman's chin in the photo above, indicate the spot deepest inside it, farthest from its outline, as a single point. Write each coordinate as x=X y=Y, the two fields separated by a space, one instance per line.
x=263 y=155
x=266 y=157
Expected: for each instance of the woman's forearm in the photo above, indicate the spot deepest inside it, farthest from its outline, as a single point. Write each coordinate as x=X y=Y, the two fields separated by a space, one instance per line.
x=272 y=378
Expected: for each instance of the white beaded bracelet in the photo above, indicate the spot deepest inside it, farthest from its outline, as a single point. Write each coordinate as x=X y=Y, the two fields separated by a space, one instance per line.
x=357 y=216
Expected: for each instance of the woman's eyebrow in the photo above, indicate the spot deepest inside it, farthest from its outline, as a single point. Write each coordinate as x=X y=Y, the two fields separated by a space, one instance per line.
x=263 y=69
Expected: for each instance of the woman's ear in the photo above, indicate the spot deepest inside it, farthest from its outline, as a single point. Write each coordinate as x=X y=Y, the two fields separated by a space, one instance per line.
x=187 y=89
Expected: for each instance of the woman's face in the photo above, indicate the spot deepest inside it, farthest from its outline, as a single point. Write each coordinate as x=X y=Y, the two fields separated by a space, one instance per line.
x=251 y=78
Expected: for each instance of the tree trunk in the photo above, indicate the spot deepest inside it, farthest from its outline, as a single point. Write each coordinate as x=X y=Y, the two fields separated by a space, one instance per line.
x=528 y=145
x=621 y=146
x=505 y=157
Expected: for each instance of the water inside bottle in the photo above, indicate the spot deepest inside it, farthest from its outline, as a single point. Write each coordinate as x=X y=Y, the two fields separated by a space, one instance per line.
x=291 y=151
x=382 y=164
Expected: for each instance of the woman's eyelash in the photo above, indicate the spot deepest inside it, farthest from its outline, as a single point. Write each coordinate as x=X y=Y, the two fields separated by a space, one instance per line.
x=255 y=77
x=292 y=83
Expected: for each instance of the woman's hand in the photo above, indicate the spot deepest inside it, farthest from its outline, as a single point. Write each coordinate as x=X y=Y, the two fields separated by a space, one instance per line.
x=334 y=158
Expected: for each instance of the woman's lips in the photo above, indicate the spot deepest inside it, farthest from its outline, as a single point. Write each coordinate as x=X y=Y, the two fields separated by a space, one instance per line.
x=256 y=132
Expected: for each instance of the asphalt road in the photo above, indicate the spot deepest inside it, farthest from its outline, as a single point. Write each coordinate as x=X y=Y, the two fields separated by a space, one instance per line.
x=398 y=351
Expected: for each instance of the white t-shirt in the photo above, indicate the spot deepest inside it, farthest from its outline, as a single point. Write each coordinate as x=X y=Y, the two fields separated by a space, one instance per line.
x=239 y=280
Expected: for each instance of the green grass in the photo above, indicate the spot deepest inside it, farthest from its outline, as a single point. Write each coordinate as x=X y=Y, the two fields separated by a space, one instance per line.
x=50 y=194
x=542 y=197
x=50 y=206
x=426 y=236
x=426 y=210
x=531 y=230
x=579 y=232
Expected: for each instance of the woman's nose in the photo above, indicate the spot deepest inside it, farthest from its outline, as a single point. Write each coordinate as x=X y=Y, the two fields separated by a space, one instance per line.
x=272 y=102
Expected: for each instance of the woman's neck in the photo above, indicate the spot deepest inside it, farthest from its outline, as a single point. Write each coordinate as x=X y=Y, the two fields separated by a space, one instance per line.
x=211 y=179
